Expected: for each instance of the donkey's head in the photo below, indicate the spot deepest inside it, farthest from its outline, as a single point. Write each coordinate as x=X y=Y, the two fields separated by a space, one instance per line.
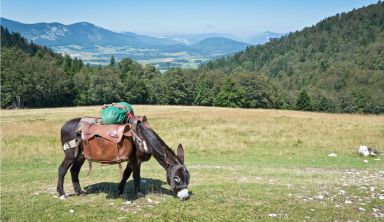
x=178 y=175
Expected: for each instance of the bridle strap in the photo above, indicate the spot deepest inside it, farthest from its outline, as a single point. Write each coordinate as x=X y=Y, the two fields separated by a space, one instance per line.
x=171 y=172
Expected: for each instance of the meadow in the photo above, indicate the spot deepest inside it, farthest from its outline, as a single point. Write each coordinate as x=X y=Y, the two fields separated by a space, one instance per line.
x=245 y=165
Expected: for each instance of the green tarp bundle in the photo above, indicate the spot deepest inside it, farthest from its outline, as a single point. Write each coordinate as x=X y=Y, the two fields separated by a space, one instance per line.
x=115 y=113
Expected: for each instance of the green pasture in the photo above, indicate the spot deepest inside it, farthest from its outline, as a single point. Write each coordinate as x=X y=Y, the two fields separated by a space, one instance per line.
x=245 y=165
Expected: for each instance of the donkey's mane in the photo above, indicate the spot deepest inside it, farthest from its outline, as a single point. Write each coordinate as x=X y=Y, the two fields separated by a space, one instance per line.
x=162 y=142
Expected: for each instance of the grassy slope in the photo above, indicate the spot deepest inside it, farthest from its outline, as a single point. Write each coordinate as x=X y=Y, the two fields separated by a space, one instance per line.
x=244 y=164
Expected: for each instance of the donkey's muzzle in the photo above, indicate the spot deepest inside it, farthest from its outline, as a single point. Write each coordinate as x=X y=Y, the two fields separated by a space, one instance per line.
x=183 y=194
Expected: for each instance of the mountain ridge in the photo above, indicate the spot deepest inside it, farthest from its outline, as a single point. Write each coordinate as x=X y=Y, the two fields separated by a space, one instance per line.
x=94 y=44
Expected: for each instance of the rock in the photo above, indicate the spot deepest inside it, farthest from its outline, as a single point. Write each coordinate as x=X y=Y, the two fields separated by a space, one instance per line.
x=272 y=215
x=348 y=202
x=332 y=155
x=361 y=209
x=378 y=215
x=111 y=204
x=320 y=197
x=365 y=161
x=381 y=197
x=128 y=202
x=71 y=211
x=363 y=150
x=372 y=189
x=149 y=200
x=312 y=210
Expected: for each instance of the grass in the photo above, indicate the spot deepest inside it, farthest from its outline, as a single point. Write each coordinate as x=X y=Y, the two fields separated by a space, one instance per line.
x=245 y=165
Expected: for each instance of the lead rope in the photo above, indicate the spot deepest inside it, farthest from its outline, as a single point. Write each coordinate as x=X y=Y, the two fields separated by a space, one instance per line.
x=142 y=143
x=90 y=167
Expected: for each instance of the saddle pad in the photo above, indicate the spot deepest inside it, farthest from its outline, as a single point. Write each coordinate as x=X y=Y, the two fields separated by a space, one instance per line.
x=113 y=133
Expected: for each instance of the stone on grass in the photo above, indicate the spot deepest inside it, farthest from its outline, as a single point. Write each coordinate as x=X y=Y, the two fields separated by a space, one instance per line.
x=372 y=189
x=332 y=155
x=348 y=202
x=71 y=211
x=272 y=215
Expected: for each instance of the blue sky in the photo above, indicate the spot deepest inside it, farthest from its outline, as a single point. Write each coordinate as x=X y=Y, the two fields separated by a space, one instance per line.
x=239 y=17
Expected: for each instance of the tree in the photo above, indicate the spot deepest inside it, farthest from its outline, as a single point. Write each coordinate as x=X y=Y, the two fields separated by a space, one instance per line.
x=258 y=91
x=230 y=95
x=105 y=87
x=112 y=62
x=304 y=101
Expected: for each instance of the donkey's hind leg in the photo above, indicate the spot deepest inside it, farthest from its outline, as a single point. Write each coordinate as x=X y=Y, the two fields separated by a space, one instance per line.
x=127 y=173
x=75 y=170
x=63 y=168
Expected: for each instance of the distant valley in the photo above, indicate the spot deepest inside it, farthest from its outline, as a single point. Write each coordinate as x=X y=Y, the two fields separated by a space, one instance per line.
x=96 y=45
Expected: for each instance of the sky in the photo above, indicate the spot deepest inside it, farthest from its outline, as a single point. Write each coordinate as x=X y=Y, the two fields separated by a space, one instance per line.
x=242 y=18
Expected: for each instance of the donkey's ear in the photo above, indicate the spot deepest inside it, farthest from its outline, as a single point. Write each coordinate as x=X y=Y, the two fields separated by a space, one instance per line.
x=180 y=153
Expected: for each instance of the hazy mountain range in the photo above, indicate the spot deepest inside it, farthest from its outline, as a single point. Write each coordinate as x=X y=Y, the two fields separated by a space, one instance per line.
x=96 y=45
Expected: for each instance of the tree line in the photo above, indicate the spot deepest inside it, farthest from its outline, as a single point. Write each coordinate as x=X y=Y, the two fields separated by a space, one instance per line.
x=35 y=76
x=334 y=66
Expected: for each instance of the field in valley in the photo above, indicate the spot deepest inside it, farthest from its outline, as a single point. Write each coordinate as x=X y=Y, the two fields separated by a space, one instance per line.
x=245 y=165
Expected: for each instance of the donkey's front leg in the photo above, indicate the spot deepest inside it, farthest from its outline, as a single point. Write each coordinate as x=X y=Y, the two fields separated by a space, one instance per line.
x=127 y=173
x=137 y=179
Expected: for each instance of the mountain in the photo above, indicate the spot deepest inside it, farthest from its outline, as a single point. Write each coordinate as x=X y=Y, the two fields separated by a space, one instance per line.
x=338 y=62
x=190 y=39
x=218 y=45
x=263 y=37
x=96 y=45
x=82 y=33
x=150 y=40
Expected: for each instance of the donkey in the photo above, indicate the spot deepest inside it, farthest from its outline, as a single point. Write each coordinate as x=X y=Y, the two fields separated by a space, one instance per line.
x=177 y=174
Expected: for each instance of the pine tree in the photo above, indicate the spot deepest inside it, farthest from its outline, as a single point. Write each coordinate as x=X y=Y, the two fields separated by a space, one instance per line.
x=112 y=61
x=304 y=101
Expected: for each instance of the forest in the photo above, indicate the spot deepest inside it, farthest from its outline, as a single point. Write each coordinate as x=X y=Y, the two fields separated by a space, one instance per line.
x=334 y=66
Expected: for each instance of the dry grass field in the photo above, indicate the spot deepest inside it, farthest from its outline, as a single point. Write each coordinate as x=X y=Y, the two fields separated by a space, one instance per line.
x=245 y=165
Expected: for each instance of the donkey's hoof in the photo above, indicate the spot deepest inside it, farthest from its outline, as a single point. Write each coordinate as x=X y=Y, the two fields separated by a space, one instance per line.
x=81 y=193
x=139 y=195
x=63 y=197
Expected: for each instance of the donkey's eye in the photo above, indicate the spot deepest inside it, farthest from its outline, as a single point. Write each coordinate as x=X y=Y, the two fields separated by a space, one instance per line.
x=177 y=179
